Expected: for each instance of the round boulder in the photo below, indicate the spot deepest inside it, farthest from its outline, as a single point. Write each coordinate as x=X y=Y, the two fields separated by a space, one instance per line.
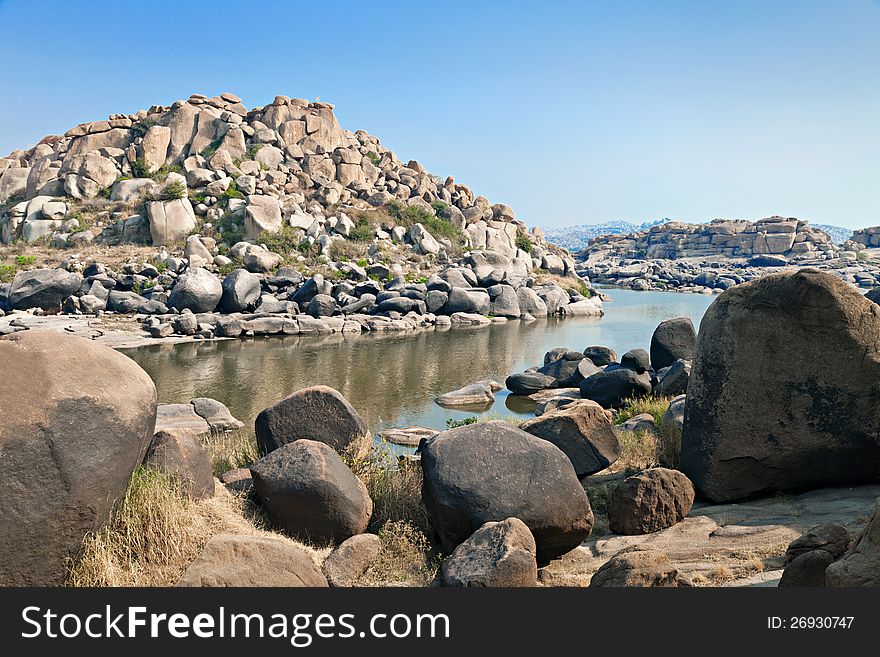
x=487 y=472
x=77 y=419
x=650 y=501
x=611 y=388
x=636 y=360
x=316 y=413
x=638 y=566
x=310 y=493
x=198 y=289
x=783 y=392
x=351 y=559
x=583 y=432
x=601 y=356
x=241 y=289
x=672 y=339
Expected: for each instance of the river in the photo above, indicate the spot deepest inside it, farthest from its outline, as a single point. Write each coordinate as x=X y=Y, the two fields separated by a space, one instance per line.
x=392 y=379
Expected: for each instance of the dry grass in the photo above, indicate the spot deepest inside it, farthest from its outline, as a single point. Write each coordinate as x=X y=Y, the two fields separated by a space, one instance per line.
x=47 y=257
x=231 y=450
x=156 y=533
x=639 y=450
x=406 y=559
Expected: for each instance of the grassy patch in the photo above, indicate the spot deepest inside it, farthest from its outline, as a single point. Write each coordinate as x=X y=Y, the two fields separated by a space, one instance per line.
x=285 y=241
x=409 y=215
x=231 y=450
x=7 y=273
x=211 y=148
x=655 y=406
x=638 y=449
x=406 y=558
x=523 y=241
x=174 y=190
x=150 y=538
x=348 y=250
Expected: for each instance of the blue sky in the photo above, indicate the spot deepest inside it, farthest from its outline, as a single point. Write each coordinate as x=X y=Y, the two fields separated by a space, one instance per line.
x=570 y=112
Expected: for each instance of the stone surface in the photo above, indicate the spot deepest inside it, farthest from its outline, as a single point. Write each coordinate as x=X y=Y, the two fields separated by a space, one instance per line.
x=860 y=566
x=761 y=415
x=316 y=413
x=484 y=472
x=672 y=339
x=42 y=288
x=652 y=500
x=310 y=493
x=497 y=554
x=230 y=560
x=179 y=454
x=170 y=221
x=639 y=567
x=197 y=290
x=584 y=434
x=70 y=437
x=611 y=388
x=351 y=559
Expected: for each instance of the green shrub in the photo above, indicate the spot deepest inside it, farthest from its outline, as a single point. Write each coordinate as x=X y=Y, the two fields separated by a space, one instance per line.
x=140 y=128
x=231 y=192
x=211 y=148
x=231 y=231
x=452 y=423
x=374 y=158
x=284 y=242
x=365 y=228
x=174 y=190
x=24 y=261
x=253 y=150
x=440 y=207
x=409 y=215
x=523 y=241
x=7 y=273
x=225 y=270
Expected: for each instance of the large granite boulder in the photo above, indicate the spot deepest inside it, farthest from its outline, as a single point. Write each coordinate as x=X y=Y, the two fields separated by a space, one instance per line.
x=43 y=288
x=672 y=339
x=316 y=413
x=783 y=391
x=240 y=288
x=497 y=554
x=170 y=221
x=77 y=418
x=583 y=432
x=310 y=493
x=197 y=290
x=487 y=472
x=232 y=560
x=351 y=559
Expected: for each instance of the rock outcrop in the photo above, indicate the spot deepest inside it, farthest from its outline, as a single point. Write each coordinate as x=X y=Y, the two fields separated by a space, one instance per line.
x=497 y=554
x=783 y=391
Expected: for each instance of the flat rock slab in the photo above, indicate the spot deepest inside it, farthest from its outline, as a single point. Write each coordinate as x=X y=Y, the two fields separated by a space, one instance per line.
x=180 y=416
x=727 y=544
x=408 y=437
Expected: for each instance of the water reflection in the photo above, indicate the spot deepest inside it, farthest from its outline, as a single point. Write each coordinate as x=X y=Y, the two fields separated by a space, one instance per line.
x=392 y=379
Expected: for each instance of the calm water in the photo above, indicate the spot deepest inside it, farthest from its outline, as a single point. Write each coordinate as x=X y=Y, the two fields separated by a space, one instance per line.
x=392 y=379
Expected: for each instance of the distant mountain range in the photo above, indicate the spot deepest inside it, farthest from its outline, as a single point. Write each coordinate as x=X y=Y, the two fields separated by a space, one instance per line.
x=576 y=238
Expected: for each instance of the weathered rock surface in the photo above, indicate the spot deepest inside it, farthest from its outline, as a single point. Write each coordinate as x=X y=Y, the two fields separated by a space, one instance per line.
x=652 y=500
x=760 y=415
x=232 y=560
x=351 y=559
x=475 y=394
x=484 y=472
x=179 y=454
x=43 y=288
x=310 y=493
x=315 y=413
x=610 y=388
x=639 y=567
x=860 y=566
x=673 y=339
x=497 y=554
x=583 y=432
x=197 y=290
x=70 y=437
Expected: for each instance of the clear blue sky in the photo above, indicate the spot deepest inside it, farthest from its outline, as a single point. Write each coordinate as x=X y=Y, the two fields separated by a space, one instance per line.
x=571 y=112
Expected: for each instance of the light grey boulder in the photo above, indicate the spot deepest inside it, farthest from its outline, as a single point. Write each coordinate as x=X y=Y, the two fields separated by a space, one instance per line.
x=497 y=554
x=198 y=290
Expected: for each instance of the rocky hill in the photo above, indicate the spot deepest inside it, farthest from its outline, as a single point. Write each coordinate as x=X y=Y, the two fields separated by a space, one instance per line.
x=281 y=192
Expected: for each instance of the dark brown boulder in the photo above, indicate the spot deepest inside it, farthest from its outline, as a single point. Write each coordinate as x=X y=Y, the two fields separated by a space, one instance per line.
x=784 y=389
x=583 y=432
x=179 y=454
x=650 y=501
x=611 y=388
x=76 y=420
x=310 y=493
x=491 y=471
x=673 y=339
x=831 y=537
x=316 y=413
x=807 y=569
